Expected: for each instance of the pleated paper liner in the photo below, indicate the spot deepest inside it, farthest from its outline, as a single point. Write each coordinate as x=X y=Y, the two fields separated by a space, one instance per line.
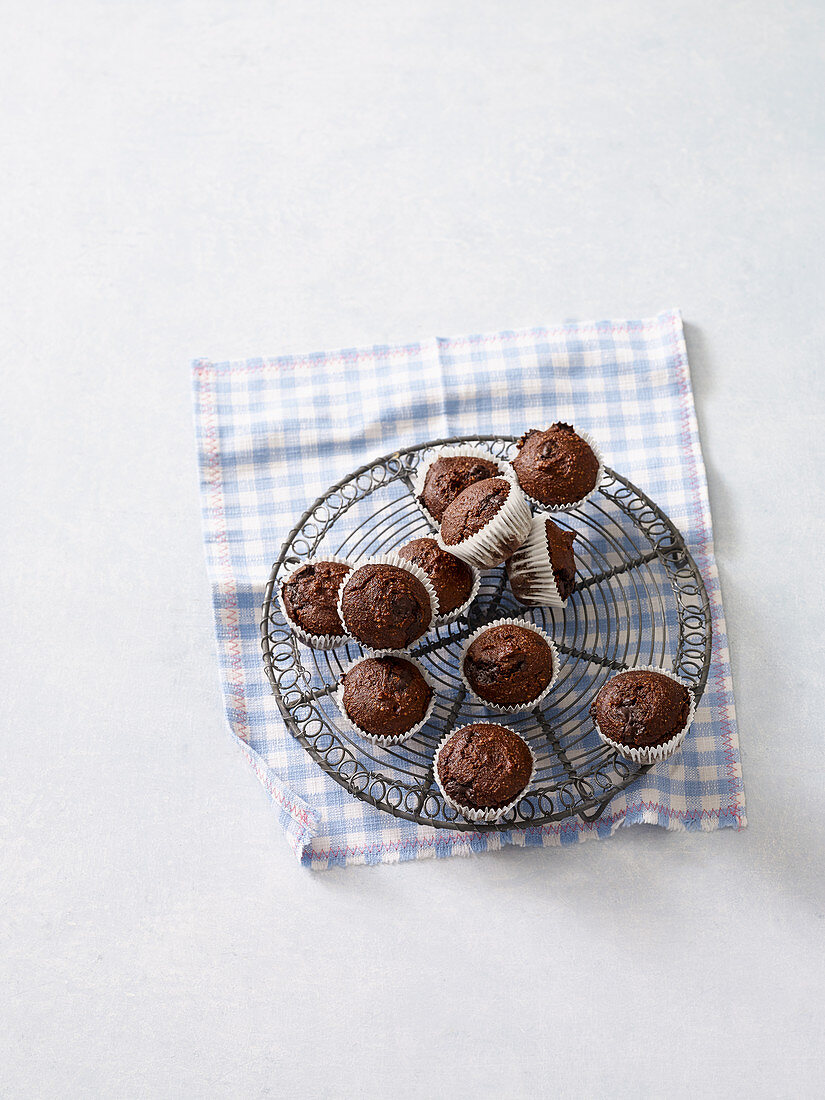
x=519 y=707
x=594 y=447
x=501 y=536
x=653 y=754
x=461 y=450
x=394 y=739
x=532 y=567
x=399 y=563
x=469 y=813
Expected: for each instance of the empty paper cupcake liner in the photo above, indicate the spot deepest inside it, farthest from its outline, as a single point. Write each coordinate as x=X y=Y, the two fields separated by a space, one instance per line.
x=533 y=567
x=469 y=813
x=518 y=708
x=499 y=537
x=396 y=739
x=462 y=450
x=390 y=559
x=653 y=754
x=593 y=445
x=315 y=641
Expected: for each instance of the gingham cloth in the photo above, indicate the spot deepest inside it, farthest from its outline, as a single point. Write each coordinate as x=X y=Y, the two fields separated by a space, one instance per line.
x=273 y=434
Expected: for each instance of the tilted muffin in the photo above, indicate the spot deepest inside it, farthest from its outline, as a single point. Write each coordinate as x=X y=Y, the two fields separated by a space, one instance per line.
x=387 y=606
x=386 y=697
x=508 y=665
x=482 y=769
x=542 y=572
x=556 y=467
x=644 y=713
x=448 y=475
x=486 y=523
x=309 y=597
x=452 y=579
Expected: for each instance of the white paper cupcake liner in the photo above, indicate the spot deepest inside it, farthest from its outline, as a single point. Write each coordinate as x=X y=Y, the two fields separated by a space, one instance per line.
x=533 y=567
x=462 y=450
x=652 y=754
x=518 y=708
x=396 y=739
x=593 y=445
x=509 y=527
x=468 y=812
x=390 y=559
x=315 y=641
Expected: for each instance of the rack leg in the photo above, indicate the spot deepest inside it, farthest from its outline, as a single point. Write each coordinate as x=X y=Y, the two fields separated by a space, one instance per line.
x=596 y=812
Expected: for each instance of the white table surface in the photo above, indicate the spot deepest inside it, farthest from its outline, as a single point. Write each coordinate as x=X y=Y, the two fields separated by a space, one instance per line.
x=238 y=178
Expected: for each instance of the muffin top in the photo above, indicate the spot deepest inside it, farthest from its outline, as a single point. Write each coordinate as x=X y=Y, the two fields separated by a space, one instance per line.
x=310 y=597
x=385 y=606
x=447 y=477
x=452 y=579
x=640 y=708
x=555 y=466
x=385 y=696
x=473 y=509
x=508 y=665
x=484 y=766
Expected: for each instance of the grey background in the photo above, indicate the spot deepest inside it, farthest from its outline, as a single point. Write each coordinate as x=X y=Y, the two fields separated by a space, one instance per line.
x=237 y=178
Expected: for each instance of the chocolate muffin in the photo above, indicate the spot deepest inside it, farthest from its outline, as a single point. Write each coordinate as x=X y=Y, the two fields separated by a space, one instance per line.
x=385 y=606
x=508 y=665
x=640 y=708
x=452 y=578
x=486 y=523
x=473 y=508
x=385 y=696
x=484 y=766
x=310 y=597
x=542 y=572
x=447 y=477
x=556 y=466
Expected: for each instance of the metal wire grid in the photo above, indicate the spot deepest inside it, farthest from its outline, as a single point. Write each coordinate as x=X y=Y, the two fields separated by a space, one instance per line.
x=639 y=600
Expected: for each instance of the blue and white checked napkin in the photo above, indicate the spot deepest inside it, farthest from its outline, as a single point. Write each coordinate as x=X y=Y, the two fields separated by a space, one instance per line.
x=273 y=434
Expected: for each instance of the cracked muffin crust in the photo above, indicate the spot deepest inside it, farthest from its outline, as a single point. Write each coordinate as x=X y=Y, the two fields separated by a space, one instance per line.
x=473 y=509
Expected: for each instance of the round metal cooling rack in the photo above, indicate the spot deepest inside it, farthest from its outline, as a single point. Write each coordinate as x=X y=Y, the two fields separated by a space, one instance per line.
x=639 y=600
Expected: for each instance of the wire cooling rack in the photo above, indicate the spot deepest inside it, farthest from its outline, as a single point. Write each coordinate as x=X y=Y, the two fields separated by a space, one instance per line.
x=639 y=600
